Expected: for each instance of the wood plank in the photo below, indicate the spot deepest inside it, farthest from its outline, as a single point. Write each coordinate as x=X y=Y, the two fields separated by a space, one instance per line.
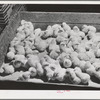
x=69 y=17
x=7 y=35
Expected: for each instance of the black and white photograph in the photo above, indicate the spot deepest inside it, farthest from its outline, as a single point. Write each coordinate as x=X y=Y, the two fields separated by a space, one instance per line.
x=50 y=47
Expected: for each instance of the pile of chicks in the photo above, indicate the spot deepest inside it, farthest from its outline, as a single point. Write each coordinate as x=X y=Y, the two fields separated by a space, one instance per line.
x=59 y=53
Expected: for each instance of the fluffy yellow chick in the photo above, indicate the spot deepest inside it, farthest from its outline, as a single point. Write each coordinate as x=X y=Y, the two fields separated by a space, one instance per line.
x=37 y=32
x=92 y=28
x=28 y=44
x=45 y=58
x=26 y=65
x=63 y=56
x=40 y=44
x=75 y=41
x=33 y=71
x=48 y=40
x=85 y=29
x=72 y=33
x=53 y=54
x=89 y=68
x=19 y=57
x=20 y=35
x=10 y=55
x=97 y=74
x=43 y=62
x=29 y=40
x=57 y=26
x=97 y=53
x=30 y=26
x=8 y=69
x=57 y=29
x=22 y=43
x=15 y=42
x=74 y=53
x=32 y=37
x=88 y=45
x=66 y=27
x=40 y=70
x=20 y=50
x=49 y=73
x=64 y=48
x=81 y=34
x=75 y=38
x=73 y=78
x=85 y=78
x=92 y=60
x=83 y=56
x=90 y=54
x=1 y=68
x=54 y=66
x=35 y=52
x=81 y=48
x=49 y=60
x=63 y=34
x=56 y=32
x=12 y=49
x=96 y=65
x=27 y=31
x=48 y=32
x=20 y=28
x=75 y=60
x=19 y=63
x=53 y=46
x=23 y=22
x=96 y=39
x=32 y=60
x=67 y=63
x=90 y=35
x=28 y=50
x=25 y=76
x=82 y=65
x=60 y=74
x=76 y=29
x=60 y=39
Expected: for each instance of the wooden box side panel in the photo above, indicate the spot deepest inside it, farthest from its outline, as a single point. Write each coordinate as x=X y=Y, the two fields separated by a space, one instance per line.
x=7 y=35
x=43 y=19
x=83 y=18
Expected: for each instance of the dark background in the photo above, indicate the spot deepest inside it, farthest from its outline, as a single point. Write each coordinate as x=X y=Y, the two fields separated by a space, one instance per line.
x=64 y=8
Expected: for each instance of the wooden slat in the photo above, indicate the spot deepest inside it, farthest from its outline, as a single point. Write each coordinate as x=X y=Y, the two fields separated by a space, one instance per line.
x=7 y=35
x=93 y=18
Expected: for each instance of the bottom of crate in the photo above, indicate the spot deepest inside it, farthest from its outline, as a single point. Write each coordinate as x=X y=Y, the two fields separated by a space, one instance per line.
x=30 y=85
x=13 y=85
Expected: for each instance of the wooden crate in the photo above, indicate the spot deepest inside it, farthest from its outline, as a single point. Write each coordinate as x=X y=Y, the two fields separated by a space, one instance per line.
x=42 y=20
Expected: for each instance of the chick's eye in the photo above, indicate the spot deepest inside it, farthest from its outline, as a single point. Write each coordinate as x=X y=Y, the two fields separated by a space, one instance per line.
x=55 y=75
x=63 y=45
x=67 y=72
x=52 y=68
